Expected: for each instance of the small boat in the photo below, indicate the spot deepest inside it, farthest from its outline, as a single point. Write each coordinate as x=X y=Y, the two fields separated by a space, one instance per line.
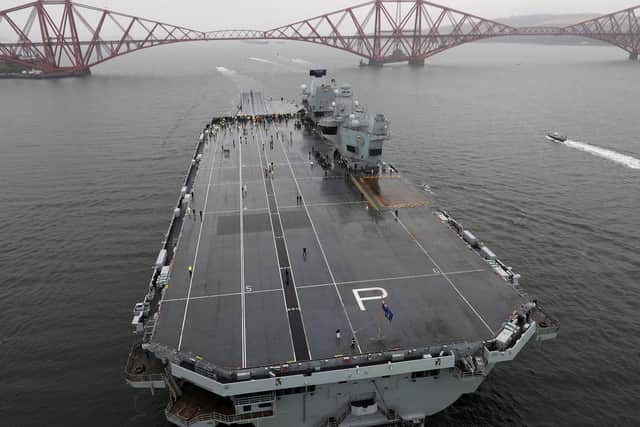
x=556 y=137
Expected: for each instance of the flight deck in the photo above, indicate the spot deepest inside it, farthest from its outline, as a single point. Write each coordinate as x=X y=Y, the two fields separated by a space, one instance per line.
x=262 y=277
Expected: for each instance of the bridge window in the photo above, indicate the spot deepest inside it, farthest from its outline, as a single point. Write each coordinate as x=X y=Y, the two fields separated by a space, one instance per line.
x=351 y=148
x=375 y=152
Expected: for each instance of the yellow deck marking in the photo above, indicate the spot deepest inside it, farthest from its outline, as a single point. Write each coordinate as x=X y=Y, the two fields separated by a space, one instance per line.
x=364 y=193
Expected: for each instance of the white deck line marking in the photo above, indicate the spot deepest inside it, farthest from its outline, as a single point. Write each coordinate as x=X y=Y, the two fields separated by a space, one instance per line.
x=286 y=248
x=443 y=274
x=195 y=258
x=453 y=273
x=262 y=291
x=390 y=279
x=230 y=183
x=259 y=166
x=302 y=162
x=242 y=284
x=312 y=205
x=320 y=178
x=233 y=167
x=415 y=276
x=315 y=232
x=233 y=211
x=319 y=285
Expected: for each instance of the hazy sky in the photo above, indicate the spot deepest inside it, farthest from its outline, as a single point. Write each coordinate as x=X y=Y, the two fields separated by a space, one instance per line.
x=264 y=14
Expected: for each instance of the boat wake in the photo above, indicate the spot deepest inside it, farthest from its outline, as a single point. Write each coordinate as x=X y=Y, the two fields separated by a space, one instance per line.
x=614 y=156
x=242 y=82
x=226 y=71
x=266 y=61
x=300 y=61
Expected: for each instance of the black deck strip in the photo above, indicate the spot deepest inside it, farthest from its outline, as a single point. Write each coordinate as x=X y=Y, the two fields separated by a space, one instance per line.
x=282 y=252
x=269 y=185
x=277 y=229
x=289 y=289
x=300 y=345
x=272 y=204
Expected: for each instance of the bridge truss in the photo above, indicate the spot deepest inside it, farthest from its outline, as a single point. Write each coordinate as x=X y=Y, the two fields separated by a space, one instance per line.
x=60 y=36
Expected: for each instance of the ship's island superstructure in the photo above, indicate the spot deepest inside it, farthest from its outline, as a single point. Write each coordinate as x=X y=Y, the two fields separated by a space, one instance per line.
x=356 y=135
x=303 y=283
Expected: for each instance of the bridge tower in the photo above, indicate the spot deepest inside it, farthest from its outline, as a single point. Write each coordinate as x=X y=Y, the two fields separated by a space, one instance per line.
x=635 y=38
x=633 y=54
x=60 y=42
x=416 y=41
x=377 y=59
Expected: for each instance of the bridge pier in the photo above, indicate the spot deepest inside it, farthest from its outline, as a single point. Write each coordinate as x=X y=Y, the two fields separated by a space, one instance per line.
x=416 y=62
x=633 y=56
x=13 y=70
x=371 y=63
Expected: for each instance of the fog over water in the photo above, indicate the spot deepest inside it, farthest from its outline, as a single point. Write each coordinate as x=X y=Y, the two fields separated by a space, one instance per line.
x=91 y=168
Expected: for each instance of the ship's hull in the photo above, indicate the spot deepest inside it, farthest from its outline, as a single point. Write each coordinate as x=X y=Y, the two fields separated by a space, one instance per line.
x=412 y=400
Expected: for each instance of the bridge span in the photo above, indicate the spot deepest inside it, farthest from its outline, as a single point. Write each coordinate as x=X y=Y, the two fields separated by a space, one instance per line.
x=64 y=38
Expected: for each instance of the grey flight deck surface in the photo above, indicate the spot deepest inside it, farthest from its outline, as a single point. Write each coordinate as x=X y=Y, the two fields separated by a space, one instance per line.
x=254 y=300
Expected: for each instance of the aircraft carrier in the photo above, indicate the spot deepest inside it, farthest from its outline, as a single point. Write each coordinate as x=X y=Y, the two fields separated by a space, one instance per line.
x=294 y=289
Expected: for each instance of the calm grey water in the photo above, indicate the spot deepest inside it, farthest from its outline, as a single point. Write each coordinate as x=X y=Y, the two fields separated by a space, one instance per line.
x=90 y=169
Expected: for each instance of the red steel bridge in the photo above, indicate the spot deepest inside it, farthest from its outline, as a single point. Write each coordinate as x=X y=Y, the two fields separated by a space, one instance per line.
x=60 y=37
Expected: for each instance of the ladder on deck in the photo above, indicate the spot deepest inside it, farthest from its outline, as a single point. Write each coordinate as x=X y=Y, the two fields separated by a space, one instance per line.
x=174 y=388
